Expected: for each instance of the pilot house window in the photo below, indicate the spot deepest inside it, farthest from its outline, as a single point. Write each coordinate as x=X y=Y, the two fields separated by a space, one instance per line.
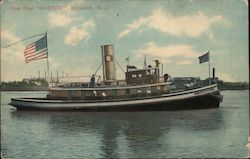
x=134 y=76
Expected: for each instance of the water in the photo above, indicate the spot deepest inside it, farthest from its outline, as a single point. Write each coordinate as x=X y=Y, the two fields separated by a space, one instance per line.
x=212 y=133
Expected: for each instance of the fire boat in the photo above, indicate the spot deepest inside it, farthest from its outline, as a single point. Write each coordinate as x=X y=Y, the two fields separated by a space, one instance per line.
x=142 y=89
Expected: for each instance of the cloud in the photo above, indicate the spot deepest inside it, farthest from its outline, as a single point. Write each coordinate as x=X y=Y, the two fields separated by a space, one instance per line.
x=167 y=51
x=77 y=34
x=54 y=64
x=58 y=20
x=186 y=25
x=66 y=16
x=133 y=26
x=12 y=51
x=184 y=62
x=11 y=57
x=225 y=77
x=9 y=37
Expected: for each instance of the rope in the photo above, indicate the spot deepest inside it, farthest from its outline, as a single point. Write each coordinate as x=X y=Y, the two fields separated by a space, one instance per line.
x=97 y=69
x=23 y=40
x=119 y=66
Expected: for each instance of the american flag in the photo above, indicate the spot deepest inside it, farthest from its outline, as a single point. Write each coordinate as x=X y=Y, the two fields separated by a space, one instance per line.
x=36 y=50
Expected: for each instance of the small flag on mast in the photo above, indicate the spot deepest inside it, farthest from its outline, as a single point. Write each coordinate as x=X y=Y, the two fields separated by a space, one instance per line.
x=36 y=50
x=204 y=58
x=127 y=59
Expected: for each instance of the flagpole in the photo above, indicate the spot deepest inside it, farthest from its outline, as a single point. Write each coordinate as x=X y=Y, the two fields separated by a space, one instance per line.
x=127 y=59
x=209 y=68
x=47 y=56
x=145 y=63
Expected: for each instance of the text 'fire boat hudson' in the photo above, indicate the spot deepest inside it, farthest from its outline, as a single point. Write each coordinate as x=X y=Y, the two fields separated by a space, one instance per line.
x=143 y=89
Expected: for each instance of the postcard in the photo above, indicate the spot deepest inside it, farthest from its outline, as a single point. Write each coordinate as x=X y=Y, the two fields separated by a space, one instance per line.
x=124 y=78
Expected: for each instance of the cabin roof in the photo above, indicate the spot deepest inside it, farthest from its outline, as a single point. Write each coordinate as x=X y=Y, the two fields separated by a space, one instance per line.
x=144 y=69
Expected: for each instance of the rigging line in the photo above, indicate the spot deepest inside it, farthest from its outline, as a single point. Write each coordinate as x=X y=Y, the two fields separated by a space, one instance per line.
x=23 y=40
x=119 y=66
x=97 y=69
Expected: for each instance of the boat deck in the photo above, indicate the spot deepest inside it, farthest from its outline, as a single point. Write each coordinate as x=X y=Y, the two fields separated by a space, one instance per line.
x=95 y=99
x=206 y=97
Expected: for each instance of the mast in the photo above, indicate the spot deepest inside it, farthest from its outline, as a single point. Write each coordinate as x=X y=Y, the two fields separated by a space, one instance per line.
x=57 y=78
x=162 y=69
x=47 y=56
x=209 y=68
x=51 y=76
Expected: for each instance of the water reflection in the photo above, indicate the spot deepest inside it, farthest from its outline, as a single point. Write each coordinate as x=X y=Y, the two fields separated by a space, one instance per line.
x=142 y=132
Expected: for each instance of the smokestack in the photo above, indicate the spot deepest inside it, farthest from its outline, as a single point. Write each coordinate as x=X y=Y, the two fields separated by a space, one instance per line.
x=213 y=72
x=108 y=64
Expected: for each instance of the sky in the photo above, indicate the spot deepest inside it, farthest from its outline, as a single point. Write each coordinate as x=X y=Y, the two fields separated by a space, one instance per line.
x=176 y=32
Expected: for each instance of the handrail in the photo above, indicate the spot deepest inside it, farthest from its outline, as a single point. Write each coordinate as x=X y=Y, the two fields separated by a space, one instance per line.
x=112 y=87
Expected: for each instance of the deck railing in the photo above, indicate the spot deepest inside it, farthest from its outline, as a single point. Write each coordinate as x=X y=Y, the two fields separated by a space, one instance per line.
x=110 y=92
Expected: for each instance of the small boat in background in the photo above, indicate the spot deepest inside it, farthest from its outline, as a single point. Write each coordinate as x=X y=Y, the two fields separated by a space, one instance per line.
x=143 y=89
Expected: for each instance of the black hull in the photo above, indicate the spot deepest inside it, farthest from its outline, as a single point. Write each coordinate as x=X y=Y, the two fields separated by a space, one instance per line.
x=208 y=101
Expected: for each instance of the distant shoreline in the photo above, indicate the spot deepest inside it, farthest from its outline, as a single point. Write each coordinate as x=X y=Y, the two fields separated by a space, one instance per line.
x=23 y=90
x=43 y=86
x=234 y=89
